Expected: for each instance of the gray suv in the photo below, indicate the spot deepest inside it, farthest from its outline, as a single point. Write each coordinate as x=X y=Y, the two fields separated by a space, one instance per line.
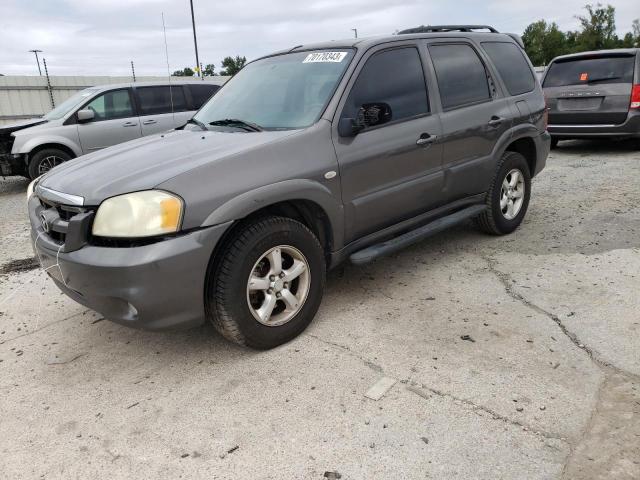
x=96 y=118
x=594 y=95
x=345 y=150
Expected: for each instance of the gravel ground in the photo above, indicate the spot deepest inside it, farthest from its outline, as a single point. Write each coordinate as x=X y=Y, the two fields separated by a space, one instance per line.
x=515 y=358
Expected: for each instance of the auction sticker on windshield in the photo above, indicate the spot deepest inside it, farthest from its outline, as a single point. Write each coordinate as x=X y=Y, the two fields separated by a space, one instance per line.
x=325 y=57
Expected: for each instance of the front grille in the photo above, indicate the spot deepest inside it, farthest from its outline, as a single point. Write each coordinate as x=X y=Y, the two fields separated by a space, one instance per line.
x=66 y=226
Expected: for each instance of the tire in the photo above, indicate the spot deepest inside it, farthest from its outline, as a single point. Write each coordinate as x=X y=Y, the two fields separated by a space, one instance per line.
x=497 y=219
x=44 y=160
x=554 y=143
x=234 y=304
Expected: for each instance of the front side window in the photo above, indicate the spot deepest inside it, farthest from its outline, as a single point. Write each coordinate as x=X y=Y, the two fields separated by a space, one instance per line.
x=462 y=78
x=281 y=92
x=161 y=99
x=511 y=65
x=111 y=105
x=391 y=82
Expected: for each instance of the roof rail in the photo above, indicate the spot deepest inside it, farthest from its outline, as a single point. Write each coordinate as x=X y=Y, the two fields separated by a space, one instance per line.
x=447 y=28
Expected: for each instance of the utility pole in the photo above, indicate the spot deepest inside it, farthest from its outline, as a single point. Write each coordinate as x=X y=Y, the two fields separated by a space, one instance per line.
x=133 y=71
x=195 y=41
x=355 y=31
x=37 y=59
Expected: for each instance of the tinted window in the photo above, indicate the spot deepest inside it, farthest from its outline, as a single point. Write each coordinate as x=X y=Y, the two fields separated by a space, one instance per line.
x=587 y=70
x=158 y=100
x=394 y=77
x=201 y=93
x=111 y=105
x=462 y=78
x=512 y=66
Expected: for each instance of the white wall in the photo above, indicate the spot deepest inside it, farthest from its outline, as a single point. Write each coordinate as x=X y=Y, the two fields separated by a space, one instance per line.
x=27 y=96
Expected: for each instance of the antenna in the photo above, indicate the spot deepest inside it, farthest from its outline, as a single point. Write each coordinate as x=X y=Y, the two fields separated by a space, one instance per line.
x=166 y=53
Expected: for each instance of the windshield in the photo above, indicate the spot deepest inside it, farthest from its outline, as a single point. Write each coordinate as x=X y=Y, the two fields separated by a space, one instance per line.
x=69 y=104
x=581 y=71
x=276 y=93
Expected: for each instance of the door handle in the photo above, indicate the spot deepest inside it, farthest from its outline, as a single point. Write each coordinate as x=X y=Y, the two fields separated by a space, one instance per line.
x=426 y=139
x=149 y=122
x=130 y=124
x=495 y=121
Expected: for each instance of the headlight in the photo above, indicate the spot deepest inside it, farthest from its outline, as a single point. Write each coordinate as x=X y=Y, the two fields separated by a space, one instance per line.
x=139 y=214
x=31 y=187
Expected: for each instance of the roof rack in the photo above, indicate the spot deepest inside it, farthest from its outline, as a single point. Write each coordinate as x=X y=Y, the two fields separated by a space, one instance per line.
x=447 y=28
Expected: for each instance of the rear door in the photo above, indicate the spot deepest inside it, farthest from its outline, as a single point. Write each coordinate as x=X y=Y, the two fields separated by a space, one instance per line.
x=161 y=108
x=200 y=93
x=475 y=114
x=590 y=90
x=115 y=121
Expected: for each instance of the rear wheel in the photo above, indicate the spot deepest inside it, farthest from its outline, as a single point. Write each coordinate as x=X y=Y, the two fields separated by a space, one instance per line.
x=267 y=285
x=44 y=160
x=508 y=198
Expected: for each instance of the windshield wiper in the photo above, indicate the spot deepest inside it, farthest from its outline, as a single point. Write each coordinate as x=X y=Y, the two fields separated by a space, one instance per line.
x=601 y=79
x=234 y=122
x=198 y=122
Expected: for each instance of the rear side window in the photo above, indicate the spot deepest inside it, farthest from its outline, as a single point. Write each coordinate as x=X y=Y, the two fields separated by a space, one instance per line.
x=582 y=71
x=201 y=93
x=111 y=105
x=394 y=77
x=511 y=65
x=161 y=99
x=462 y=78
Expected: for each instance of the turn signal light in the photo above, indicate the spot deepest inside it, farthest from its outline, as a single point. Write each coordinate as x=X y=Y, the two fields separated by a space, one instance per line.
x=635 y=97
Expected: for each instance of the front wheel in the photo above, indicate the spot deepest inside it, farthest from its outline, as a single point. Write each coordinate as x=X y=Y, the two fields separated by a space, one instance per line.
x=44 y=160
x=267 y=285
x=508 y=198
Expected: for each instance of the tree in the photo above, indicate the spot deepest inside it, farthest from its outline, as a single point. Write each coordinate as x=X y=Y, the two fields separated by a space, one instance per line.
x=635 y=31
x=233 y=65
x=543 y=42
x=209 y=70
x=185 y=72
x=598 y=28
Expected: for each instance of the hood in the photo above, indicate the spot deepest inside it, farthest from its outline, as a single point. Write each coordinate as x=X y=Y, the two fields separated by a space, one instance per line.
x=14 y=127
x=144 y=163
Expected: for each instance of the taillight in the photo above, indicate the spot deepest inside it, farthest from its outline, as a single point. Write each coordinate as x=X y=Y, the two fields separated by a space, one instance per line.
x=635 y=97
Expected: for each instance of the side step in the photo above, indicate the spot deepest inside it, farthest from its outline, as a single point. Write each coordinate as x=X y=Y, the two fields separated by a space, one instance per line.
x=414 y=236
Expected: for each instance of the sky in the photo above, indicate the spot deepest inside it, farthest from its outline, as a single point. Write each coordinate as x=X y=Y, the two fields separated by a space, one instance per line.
x=101 y=37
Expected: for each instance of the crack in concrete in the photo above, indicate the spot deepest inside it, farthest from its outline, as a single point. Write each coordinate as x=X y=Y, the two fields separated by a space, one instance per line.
x=26 y=334
x=366 y=361
x=418 y=390
x=414 y=387
x=507 y=282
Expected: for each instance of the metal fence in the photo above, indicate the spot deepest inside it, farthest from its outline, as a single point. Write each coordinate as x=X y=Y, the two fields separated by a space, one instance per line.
x=23 y=97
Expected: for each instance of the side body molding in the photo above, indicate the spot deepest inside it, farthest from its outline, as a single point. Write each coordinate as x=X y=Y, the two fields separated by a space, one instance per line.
x=287 y=190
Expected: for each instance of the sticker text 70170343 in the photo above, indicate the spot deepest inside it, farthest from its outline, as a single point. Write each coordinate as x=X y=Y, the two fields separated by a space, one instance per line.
x=324 y=57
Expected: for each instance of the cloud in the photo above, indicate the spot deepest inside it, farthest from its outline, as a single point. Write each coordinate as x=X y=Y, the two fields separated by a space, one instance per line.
x=101 y=37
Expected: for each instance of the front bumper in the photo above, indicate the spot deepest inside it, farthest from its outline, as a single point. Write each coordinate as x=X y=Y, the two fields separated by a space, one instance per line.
x=154 y=287
x=629 y=129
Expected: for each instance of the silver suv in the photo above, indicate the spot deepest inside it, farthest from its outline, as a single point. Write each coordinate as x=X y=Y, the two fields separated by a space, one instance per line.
x=96 y=118
x=344 y=150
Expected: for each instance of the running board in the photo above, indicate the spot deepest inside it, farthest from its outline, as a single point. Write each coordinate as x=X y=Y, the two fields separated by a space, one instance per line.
x=414 y=236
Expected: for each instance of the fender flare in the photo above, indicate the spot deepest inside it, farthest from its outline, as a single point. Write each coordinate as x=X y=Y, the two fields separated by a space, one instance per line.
x=297 y=189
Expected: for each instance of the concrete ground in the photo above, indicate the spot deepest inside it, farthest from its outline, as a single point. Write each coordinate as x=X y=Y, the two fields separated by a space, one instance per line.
x=514 y=358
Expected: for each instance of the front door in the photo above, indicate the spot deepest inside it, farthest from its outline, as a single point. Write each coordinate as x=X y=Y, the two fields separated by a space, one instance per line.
x=114 y=121
x=391 y=170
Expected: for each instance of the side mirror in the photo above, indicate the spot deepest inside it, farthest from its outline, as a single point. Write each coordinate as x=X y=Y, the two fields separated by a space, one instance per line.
x=348 y=127
x=368 y=115
x=85 y=115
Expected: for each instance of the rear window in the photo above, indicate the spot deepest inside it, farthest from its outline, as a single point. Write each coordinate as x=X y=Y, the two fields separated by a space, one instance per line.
x=161 y=99
x=201 y=93
x=582 y=71
x=462 y=79
x=512 y=66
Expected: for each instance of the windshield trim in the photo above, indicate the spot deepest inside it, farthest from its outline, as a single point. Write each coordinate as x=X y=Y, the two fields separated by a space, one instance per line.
x=330 y=97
